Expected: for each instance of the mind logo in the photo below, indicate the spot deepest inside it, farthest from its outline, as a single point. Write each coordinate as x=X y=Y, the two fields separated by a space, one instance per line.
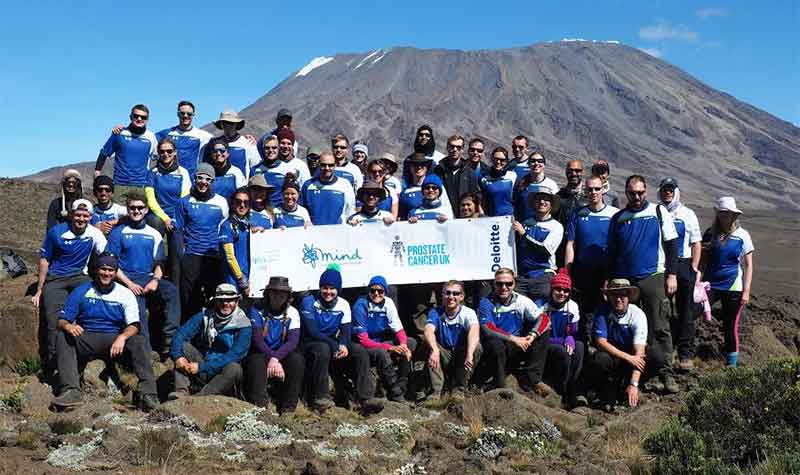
x=312 y=255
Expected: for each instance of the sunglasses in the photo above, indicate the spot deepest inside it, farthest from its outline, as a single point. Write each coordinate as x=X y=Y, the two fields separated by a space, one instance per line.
x=517 y=147
x=537 y=160
x=203 y=178
x=186 y=114
x=139 y=116
x=103 y=189
x=340 y=147
x=220 y=150
x=500 y=159
x=430 y=187
x=271 y=147
x=594 y=188
x=136 y=208
x=327 y=165
x=168 y=151
x=423 y=134
x=636 y=193
x=503 y=283
x=455 y=147
x=237 y=202
x=560 y=289
x=377 y=291
x=475 y=150
x=575 y=170
x=452 y=293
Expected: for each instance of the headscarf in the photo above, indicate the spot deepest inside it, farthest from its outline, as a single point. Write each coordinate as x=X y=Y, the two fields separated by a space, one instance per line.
x=429 y=147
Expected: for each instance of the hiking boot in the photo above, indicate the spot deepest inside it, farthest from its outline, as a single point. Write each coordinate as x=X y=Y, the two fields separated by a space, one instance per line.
x=371 y=406
x=686 y=364
x=321 y=405
x=420 y=396
x=542 y=389
x=581 y=401
x=177 y=394
x=670 y=386
x=148 y=402
x=69 y=398
x=397 y=397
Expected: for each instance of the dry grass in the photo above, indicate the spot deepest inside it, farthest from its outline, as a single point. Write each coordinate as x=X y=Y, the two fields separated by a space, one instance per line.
x=624 y=444
x=161 y=448
x=472 y=414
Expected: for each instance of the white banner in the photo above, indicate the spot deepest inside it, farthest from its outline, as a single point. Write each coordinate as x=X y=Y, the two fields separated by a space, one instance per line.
x=426 y=251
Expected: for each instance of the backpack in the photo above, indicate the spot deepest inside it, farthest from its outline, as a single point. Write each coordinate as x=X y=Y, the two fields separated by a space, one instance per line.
x=13 y=265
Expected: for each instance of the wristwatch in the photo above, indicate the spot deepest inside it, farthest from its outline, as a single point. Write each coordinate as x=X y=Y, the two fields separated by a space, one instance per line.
x=635 y=384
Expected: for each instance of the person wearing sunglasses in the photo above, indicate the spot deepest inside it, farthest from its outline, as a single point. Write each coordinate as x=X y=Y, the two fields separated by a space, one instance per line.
x=106 y=213
x=286 y=152
x=457 y=177
x=565 y=349
x=378 y=329
x=572 y=197
x=345 y=168
x=370 y=196
x=328 y=349
x=242 y=151
x=283 y=120
x=379 y=171
x=132 y=149
x=519 y=156
x=643 y=248
x=452 y=336
x=208 y=349
x=533 y=182
x=234 y=239
x=689 y=250
x=228 y=177
x=514 y=333
x=475 y=153
x=497 y=185
x=272 y=168
x=432 y=206
x=424 y=143
x=585 y=252
x=602 y=169
x=538 y=239
x=329 y=198
x=197 y=219
x=140 y=249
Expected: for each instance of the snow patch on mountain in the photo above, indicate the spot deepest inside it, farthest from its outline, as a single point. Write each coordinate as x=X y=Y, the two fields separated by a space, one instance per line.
x=314 y=64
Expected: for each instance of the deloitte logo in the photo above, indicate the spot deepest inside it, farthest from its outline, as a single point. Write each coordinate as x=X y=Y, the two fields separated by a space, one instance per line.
x=495 y=247
x=313 y=255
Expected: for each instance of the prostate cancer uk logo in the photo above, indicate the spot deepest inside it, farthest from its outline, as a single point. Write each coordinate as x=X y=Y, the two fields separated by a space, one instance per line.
x=428 y=254
x=313 y=255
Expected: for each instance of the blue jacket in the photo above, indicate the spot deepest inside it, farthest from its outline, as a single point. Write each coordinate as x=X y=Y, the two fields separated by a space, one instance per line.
x=230 y=345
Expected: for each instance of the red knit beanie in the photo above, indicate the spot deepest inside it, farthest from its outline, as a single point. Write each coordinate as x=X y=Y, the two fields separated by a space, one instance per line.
x=286 y=133
x=561 y=280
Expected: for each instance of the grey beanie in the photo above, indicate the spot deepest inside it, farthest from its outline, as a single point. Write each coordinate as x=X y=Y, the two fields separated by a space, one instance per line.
x=205 y=169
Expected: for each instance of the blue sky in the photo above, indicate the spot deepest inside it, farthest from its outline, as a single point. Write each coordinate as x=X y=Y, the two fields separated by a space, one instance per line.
x=69 y=72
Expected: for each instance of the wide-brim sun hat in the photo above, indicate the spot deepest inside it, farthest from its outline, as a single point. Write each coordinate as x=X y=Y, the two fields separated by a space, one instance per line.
x=258 y=181
x=278 y=282
x=370 y=185
x=616 y=286
x=727 y=203
x=419 y=158
x=555 y=200
x=229 y=115
x=389 y=161
x=225 y=292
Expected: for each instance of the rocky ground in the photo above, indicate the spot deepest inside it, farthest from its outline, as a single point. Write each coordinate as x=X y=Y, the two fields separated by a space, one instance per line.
x=499 y=432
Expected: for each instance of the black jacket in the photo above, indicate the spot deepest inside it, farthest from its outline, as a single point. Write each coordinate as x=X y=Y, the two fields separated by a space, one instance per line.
x=457 y=181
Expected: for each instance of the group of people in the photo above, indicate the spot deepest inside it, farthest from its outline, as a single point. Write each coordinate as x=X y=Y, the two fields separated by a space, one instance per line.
x=598 y=285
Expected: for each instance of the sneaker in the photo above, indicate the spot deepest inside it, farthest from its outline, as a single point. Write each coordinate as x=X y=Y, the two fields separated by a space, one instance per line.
x=69 y=398
x=177 y=394
x=371 y=406
x=321 y=405
x=670 y=386
x=686 y=364
x=148 y=402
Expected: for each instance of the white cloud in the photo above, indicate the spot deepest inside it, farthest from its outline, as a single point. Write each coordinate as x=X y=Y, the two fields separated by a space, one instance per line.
x=712 y=12
x=665 y=31
x=655 y=52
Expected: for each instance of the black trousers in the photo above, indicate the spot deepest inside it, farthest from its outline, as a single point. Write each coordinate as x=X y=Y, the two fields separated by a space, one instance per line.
x=54 y=294
x=503 y=355
x=395 y=381
x=586 y=284
x=610 y=376
x=683 y=324
x=200 y=275
x=74 y=353
x=564 y=369
x=535 y=288
x=414 y=303
x=286 y=393
x=320 y=364
x=731 y=301
x=227 y=381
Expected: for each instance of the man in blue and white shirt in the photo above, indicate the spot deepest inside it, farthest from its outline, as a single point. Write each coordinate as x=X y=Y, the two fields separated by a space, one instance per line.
x=100 y=319
x=538 y=239
x=132 y=149
x=689 y=249
x=106 y=213
x=272 y=169
x=643 y=248
x=140 y=249
x=189 y=140
x=63 y=266
x=328 y=198
x=345 y=168
x=198 y=217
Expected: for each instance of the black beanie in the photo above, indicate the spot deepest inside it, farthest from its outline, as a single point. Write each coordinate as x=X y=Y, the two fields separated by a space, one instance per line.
x=103 y=180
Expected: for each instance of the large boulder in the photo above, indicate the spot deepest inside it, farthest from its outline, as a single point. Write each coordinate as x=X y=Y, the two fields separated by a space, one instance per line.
x=19 y=322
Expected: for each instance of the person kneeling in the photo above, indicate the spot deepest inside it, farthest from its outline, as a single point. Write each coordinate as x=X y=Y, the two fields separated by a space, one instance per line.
x=208 y=348
x=100 y=320
x=326 y=336
x=273 y=354
x=515 y=332
x=453 y=335
x=620 y=334
x=377 y=326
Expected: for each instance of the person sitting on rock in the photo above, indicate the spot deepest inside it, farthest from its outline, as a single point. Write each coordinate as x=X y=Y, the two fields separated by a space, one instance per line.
x=100 y=320
x=515 y=332
x=620 y=335
x=565 y=349
x=379 y=330
x=208 y=348
x=452 y=335
x=326 y=337
x=273 y=354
